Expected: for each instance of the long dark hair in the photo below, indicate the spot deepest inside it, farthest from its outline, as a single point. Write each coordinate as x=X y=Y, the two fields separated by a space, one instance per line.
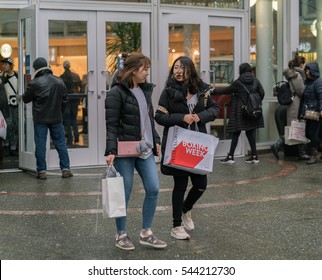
x=131 y=63
x=190 y=76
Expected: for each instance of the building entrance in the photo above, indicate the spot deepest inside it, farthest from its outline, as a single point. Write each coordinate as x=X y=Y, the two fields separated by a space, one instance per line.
x=83 y=48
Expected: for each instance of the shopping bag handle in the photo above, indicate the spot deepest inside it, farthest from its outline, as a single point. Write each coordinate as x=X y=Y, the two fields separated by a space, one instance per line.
x=111 y=172
x=196 y=127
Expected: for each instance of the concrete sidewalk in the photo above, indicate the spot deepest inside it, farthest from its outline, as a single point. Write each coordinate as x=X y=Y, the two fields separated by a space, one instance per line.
x=270 y=210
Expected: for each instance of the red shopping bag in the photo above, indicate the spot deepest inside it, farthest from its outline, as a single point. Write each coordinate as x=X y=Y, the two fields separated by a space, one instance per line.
x=190 y=150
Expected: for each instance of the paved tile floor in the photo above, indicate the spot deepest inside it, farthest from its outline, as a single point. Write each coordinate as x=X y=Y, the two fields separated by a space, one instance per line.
x=271 y=210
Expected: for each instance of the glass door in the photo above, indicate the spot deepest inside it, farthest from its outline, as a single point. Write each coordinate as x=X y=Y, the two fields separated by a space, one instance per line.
x=27 y=53
x=83 y=49
x=224 y=54
x=117 y=33
x=212 y=44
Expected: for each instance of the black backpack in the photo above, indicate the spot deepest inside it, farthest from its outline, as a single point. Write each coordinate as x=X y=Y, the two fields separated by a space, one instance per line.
x=252 y=107
x=283 y=92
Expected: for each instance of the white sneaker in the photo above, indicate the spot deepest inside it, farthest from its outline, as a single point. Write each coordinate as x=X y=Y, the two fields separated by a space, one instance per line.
x=179 y=233
x=187 y=221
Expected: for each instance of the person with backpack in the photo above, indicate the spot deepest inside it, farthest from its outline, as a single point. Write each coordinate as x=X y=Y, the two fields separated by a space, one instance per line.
x=241 y=89
x=295 y=77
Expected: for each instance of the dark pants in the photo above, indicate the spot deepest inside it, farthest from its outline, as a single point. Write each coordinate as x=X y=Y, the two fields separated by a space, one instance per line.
x=179 y=204
x=281 y=118
x=250 y=134
x=70 y=120
x=312 y=131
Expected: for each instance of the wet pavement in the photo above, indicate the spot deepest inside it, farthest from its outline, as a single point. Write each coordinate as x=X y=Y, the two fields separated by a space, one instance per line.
x=271 y=210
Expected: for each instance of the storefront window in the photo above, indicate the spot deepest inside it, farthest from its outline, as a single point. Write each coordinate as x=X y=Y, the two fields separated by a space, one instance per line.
x=231 y=4
x=184 y=40
x=9 y=35
x=310 y=30
x=68 y=59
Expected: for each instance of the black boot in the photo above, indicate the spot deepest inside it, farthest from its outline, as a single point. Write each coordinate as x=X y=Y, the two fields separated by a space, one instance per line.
x=278 y=146
x=302 y=152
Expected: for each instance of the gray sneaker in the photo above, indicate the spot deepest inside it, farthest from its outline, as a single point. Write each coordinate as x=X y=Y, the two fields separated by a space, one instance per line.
x=123 y=242
x=152 y=241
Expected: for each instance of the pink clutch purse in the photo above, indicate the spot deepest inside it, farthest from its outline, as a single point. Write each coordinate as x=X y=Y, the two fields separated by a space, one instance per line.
x=127 y=149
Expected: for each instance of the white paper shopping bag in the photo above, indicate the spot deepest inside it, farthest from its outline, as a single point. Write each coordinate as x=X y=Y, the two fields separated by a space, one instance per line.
x=190 y=150
x=295 y=134
x=113 y=195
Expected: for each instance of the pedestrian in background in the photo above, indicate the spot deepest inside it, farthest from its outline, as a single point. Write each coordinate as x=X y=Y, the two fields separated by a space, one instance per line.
x=48 y=94
x=312 y=100
x=4 y=108
x=10 y=82
x=129 y=117
x=73 y=84
x=185 y=101
x=239 y=89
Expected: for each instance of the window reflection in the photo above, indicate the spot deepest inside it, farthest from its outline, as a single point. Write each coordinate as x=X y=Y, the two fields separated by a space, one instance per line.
x=68 y=59
x=184 y=40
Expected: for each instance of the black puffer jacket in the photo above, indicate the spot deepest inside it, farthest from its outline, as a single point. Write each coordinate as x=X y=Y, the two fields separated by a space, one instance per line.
x=312 y=95
x=122 y=115
x=47 y=93
x=236 y=120
x=172 y=109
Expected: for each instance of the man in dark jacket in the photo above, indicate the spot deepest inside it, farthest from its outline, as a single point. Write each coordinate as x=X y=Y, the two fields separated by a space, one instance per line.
x=47 y=93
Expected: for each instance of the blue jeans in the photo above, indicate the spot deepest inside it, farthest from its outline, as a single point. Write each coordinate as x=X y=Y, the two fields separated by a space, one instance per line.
x=57 y=135
x=147 y=170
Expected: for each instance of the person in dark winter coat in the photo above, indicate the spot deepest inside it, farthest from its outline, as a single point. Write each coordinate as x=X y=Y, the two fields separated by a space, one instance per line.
x=312 y=100
x=4 y=108
x=129 y=117
x=184 y=102
x=47 y=93
x=237 y=122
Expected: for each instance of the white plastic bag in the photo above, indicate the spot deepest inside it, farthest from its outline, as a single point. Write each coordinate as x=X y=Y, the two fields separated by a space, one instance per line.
x=113 y=194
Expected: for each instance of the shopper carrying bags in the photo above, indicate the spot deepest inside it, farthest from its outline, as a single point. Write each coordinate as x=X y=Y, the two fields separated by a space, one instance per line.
x=185 y=102
x=129 y=117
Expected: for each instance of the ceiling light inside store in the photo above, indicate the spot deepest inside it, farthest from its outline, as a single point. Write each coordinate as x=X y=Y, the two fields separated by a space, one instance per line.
x=274 y=4
x=6 y=50
x=252 y=3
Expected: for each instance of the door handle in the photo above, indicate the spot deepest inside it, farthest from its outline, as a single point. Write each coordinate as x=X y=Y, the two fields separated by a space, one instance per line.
x=88 y=79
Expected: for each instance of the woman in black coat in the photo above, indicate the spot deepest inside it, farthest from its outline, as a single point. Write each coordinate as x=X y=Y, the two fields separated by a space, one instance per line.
x=184 y=102
x=237 y=122
x=312 y=100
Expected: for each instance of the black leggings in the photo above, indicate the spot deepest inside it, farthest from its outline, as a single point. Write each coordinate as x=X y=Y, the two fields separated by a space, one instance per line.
x=250 y=134
x=179 y=204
